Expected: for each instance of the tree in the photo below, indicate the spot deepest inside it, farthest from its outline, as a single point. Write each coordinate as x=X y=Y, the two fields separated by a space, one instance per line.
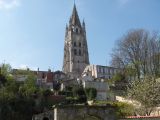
x=138 y=50
x=145 y=91
x=5 y=70
x=17 y=100
x=79 y=93
x=2 y=80
x=29 y=88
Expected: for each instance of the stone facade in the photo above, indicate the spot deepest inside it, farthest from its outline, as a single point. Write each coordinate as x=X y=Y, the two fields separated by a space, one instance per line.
x=45 y=79
x=102 y=87
x=96 y=76
x=76 y=56
x=79 y=113
x=99 y=71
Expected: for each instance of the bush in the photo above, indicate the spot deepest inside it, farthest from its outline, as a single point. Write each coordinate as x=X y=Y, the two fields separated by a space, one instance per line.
x=91 y=93
x=123 y=109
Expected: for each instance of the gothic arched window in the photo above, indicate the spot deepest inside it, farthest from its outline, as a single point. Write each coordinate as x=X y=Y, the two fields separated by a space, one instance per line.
x=75 y=52
x=77 y=30
x=80 y=52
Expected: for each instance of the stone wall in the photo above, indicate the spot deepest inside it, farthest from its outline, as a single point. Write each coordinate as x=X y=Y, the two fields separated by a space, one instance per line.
x=44 y=116
x=79 y=113
x=141 y=119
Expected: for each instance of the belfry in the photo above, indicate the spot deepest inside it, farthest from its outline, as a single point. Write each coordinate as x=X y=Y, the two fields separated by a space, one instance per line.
x=76 y=56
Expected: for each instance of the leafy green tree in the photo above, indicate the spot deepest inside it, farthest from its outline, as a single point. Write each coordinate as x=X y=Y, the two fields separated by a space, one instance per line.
x=5 y=73
x=145 y=91
x=29 y=87
x=79 y=93
x=5 y=69
x=2 y=80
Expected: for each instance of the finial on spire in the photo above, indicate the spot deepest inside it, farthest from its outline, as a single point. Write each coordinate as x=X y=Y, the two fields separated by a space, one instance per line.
x=74 y=2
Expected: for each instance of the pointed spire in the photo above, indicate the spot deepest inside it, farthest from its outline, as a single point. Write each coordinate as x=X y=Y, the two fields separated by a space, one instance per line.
x=74 y=20
x=74 y=2
x=83 y=23
x=66 y=30
x=66 y=26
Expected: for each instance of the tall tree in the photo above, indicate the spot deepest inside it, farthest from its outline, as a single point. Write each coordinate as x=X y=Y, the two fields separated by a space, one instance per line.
x=138 y=50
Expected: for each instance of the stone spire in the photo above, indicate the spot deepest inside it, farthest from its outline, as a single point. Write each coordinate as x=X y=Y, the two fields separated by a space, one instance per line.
x=74 y=20
x=76 y=56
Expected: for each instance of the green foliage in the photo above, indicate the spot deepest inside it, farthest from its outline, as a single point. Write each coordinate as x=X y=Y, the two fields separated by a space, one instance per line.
x=79 y=93
x=29 y=87
x=14 y=107
x=62 y=93
x=47 y=93
x=5 y=73
x=91 y=93
x=145 y=91
x=118 y=77
x=5 y=69
x=19 y=101
x=3 y=79
x=122 y=109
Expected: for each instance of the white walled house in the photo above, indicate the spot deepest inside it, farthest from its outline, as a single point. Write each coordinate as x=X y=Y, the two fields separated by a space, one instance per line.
x=99 y=71
x=100 y=84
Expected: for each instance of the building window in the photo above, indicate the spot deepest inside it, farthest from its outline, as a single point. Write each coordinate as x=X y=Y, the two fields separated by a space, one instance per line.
x=75 y=52
x=76 y=30
x=103 y=70
x=99 y=69
x=75 y=44
x=80 y=52
x=79 y=44
x=43 y=75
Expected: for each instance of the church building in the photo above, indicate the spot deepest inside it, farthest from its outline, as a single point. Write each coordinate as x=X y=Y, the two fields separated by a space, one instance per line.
x=76 y=56
x=76 y=65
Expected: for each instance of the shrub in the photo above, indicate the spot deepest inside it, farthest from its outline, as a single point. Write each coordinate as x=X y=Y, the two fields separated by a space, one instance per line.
x=123 y=109
x=91 y=93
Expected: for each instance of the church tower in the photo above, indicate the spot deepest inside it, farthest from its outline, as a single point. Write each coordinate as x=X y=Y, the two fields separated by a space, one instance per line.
x=76 y=56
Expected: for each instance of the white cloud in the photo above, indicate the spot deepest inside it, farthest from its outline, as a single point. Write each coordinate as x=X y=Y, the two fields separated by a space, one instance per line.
x=9 y=4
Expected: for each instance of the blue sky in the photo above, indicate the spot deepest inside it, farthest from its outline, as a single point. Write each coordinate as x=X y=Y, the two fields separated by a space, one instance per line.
x=32 y=31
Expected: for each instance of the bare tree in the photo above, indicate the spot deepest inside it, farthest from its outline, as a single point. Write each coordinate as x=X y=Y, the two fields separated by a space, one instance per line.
x=138 y=50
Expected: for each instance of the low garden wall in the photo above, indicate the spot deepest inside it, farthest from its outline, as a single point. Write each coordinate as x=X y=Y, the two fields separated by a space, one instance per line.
x=142 y=118
x=78 y=113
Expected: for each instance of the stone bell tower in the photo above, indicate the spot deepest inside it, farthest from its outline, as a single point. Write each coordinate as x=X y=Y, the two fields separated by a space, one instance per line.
x=76 y=56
